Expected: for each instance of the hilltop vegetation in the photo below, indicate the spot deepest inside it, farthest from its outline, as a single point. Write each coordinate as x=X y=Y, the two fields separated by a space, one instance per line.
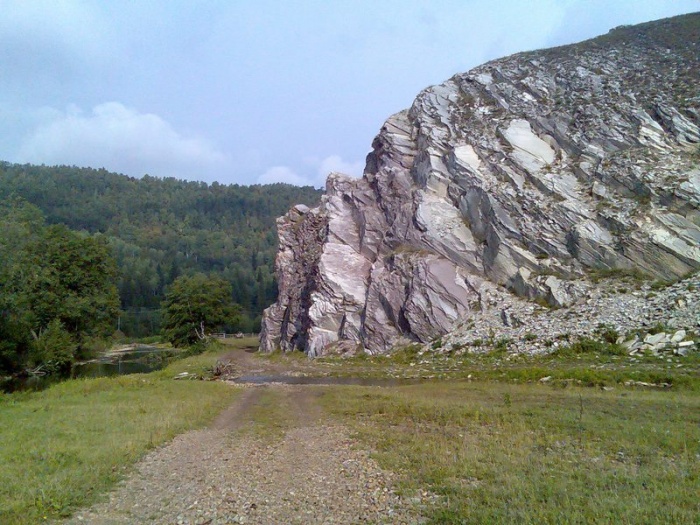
x=158 y=229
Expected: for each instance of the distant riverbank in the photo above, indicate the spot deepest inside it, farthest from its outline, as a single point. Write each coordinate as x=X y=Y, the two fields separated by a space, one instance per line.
x=123 y=359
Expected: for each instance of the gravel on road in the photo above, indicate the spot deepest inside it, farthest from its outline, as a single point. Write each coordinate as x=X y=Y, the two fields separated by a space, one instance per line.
x=315 y=473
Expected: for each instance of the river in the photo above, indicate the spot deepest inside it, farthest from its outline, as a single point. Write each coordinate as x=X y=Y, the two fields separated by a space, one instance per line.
x=130 y=359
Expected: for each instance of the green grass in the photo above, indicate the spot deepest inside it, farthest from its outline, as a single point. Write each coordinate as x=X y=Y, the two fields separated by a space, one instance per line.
x=585 y=362
x=633 y=275
x=240 y=343
x=270 y=417
x=199 y=364
x=63 y=447
x=500 y=448
x=500 y=453
x=278 y=356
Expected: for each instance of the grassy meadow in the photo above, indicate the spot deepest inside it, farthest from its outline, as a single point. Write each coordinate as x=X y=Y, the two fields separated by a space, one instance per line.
x=528 y=453
x=63 y=447
x=482 y=434
x=600 y=365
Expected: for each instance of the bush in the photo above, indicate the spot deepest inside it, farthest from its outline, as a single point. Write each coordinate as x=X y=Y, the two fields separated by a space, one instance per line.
x=54 y=350
x=607 y=333
x=502 y=343
x=586 y=345
x=406 y=354
x=658 y=328
x=659 y=285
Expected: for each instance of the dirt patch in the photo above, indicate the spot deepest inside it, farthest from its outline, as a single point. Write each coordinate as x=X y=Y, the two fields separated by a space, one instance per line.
x=248 y=362
x=307 y=411
x=314 y=473
x=232 y=418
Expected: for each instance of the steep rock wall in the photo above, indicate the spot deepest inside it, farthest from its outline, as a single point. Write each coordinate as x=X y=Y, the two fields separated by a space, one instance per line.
x=526 y=172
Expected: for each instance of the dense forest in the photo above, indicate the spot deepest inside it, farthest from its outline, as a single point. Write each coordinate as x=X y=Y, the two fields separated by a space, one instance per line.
x=159 y=229
x=57 y=291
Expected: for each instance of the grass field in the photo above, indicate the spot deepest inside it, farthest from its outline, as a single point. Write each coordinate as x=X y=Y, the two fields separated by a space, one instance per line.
x=502 y=447
x=504 y=453
x=63 y=447
x=587 y=368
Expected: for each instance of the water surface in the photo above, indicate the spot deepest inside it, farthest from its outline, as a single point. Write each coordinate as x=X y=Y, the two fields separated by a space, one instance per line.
x=139 y=360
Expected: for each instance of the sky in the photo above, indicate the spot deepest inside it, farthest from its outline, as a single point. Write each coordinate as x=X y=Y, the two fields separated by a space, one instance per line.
x=252 y=92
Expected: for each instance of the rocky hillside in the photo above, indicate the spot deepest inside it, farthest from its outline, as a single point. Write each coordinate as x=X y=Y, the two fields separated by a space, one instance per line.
x=517 y=180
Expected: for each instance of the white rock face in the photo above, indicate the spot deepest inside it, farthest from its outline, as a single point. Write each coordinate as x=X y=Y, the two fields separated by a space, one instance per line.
x=530 y=151
x=526 y=172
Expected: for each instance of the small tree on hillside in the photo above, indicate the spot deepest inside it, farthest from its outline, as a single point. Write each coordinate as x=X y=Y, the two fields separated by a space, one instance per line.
x=195 y=305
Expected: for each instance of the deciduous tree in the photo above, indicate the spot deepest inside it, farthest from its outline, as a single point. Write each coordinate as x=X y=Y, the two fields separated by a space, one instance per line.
x=57 y=289
x=194 y=306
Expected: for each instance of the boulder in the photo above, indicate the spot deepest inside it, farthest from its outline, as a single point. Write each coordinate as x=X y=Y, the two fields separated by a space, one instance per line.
x=678 y=336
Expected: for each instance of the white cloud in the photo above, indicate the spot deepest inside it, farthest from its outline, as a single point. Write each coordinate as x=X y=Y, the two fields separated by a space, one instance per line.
x=336 y=163
x=283 y=174
x=120 y=139
x=321 y=167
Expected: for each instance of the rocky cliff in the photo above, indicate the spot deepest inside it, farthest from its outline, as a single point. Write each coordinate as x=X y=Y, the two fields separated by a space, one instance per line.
x=517 y=179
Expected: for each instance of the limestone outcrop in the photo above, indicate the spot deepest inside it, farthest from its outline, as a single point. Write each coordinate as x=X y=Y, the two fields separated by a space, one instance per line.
x=524 y=174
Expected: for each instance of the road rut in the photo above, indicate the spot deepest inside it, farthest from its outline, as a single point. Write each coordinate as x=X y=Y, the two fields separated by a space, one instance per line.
x=310 y=471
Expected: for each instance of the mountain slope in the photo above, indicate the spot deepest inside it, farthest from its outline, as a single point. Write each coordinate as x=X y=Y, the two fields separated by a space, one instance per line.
x=161 y=228
x=527 y=172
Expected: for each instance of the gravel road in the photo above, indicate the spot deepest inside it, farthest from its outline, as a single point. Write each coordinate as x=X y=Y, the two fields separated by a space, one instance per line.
x=312 y=473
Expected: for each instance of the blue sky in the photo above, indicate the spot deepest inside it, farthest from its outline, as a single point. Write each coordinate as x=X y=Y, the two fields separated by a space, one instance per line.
x=246 y=92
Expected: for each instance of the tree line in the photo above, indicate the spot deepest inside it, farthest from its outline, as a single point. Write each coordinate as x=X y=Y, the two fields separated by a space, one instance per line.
x=154 y=230
x=57 y=291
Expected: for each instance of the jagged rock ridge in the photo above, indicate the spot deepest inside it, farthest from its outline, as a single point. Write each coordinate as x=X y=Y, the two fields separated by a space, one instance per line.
x=523 y=173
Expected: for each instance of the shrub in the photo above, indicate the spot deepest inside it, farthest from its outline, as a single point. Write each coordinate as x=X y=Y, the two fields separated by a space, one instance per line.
x=628 y=274
x=406 y=354
x=587 y=345
x=502 y=343
x=54 y=349
x=607 y=333
x=658 y=328
x=659 y=285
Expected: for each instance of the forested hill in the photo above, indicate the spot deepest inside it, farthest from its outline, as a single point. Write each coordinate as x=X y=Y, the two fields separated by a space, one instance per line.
x=162 y=228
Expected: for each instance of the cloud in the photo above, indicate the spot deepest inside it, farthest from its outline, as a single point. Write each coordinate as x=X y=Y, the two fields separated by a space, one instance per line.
x=321 y=167
x=283 y=174
x=336 y=163
x=120 y=139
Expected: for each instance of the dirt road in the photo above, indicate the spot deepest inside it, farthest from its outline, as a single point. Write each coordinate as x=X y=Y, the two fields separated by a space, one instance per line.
x=273 y=457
